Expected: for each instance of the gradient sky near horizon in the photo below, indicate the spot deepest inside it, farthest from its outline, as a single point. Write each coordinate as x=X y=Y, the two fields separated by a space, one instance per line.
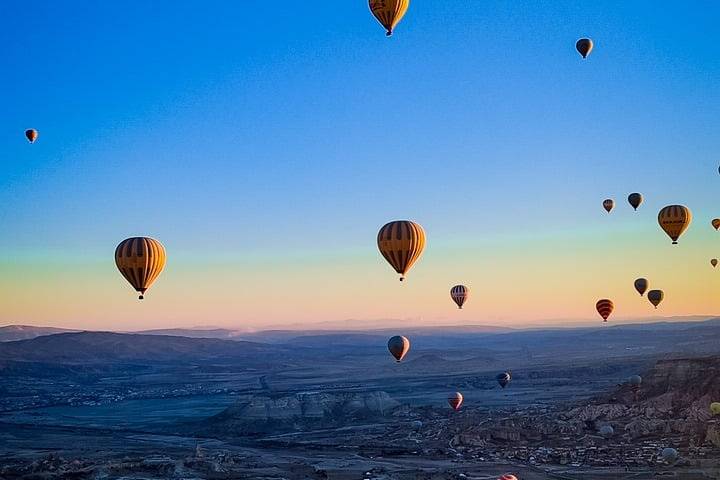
x=265 y=143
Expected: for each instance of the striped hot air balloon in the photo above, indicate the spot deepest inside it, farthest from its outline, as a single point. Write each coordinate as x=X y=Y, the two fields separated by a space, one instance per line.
x=31 y=134
x=398 y=346
x=605 y=308
x=641 y=285
x=401 y=243
x=455 y=400
x=608 y=204
x=459 y=294
x=674 y=220
x=389 y=12
x=716 y=223
x=140 y=260
x=584 y=46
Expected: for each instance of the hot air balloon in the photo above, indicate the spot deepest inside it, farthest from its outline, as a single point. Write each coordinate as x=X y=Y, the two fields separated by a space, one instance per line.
x=641 y=285
x=716 y=223
x=455 y=400
x=669 y=454
x=604 y=308
x=674 y=220
x=655 y=297
x=714 y=262
x=503 y=379
x=507 y=476
x=399 y=346
x=31 y=135
x=635 y=200
x=459 y=294
x=401 y=243
x=389 y=12
x=715 y=408
x=635 y=381
x=416 y=425
x=607 y=431
x=584 y=46
x=140 y=260
x=608 y=204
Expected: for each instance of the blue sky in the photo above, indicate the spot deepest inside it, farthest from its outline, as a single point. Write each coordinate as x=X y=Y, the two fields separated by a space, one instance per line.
x=285 y=133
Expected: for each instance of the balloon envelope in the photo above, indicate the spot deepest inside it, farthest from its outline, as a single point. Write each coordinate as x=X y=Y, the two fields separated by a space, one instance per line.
x=716 y=223
x=641 y=285
x=714 y=262
x=389 y=12
x=674 y=220
x=604 y=307
x=669 y=454
x=507 y=476
x=608 y=204
x=398 y=347
x=607 y=431
x=635 y=380
x=31 y=134
x=715 y=408
x=140 y=260
x=503 y=379
x=656 y=297
x=635 y=200
x=584 y=46
x=401 y=243
x=455 y=400
x=459 y=294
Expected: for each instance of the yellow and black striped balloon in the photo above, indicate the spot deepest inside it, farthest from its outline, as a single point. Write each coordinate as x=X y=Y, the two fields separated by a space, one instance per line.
x=674 y=220
x=605 y=307
x=401 y=243
x=140 y=260
x=389 y=12
x=459 y=294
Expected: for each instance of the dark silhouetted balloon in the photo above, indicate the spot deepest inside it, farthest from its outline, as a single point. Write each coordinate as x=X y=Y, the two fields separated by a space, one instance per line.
x=670 y=455
x=641 y=285
x=608 y=204
x=584 y=46
x=31 y=135
x=455 y=400
x=716 y=223
x=503 y=379
x=714 y=262
x=635 y=200
x=656 y=297
x=399 y=347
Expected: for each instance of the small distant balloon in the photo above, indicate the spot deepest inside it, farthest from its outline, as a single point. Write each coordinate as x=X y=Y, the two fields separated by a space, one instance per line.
x=715 y=408
x=389 y=12
x=607 y=431
x=674 y=220
x=641 y=285
x=31 y=135
x=608 y=204
x=459 y=294
x=507 y=476
x=605 y=307
x=716 y=223
x=635 y=380
x=398 y=346
x=584 y=46
x=503 y=379
x=656 y=297
x=635 y=200
x=714 y=262
x=669 y=454
x=416 y=425
x=455 y=400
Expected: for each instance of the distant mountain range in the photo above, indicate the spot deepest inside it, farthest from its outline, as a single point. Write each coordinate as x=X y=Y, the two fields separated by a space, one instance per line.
x=11 y=333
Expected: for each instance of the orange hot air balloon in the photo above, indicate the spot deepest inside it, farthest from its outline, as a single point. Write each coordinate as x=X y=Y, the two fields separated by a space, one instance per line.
x=714 y=262
x=455 y=400
x=140 y=260
x=459 y=294
x=641 y=285
x=608 y=204
x=399 y=346
x=716 y=223
x=655 y=297
x=674 y=220
x=31 y=135
x=584 y=46
x=401 y=243
x=605 y=307
x=635 y=200
x=389 y=12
